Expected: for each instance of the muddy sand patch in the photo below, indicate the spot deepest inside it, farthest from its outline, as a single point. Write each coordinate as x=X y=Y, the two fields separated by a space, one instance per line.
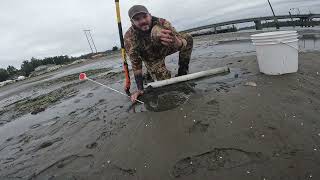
x=37 y=104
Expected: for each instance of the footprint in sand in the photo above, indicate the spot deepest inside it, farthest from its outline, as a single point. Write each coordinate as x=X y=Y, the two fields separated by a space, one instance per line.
x=215 y=160
x=77 y=101
x=48 y=143
x=89 y=95
x=92 y=145
x=214 y=107
x=199 y=126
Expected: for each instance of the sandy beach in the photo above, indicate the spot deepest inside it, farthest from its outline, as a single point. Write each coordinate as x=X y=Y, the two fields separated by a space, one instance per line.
x=54 y=126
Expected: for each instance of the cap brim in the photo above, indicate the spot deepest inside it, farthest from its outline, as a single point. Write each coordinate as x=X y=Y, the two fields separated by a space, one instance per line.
x=144 y=12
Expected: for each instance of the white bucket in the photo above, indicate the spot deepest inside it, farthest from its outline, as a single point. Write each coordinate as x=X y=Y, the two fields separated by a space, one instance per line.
x=277 y=52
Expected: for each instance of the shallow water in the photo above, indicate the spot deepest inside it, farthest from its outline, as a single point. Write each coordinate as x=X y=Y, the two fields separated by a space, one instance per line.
x=309 y=44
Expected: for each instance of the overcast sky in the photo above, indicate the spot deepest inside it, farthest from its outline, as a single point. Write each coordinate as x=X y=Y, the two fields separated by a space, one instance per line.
x=43 y=28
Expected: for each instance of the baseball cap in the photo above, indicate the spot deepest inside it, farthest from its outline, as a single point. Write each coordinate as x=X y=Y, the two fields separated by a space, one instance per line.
x=136 y=9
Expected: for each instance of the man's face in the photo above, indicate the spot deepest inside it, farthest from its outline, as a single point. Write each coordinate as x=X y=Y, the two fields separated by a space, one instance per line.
x=142 y=21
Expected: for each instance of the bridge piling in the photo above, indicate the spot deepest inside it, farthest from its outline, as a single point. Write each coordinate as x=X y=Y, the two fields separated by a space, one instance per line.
x=258 y=24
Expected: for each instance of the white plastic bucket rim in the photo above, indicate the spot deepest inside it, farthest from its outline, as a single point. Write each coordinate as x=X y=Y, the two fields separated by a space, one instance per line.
x=274 y=37
x=275 y=42
x=273 y=33
x=278 y=37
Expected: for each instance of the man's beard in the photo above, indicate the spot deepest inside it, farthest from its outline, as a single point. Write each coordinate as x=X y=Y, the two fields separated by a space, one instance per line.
x=145 y=27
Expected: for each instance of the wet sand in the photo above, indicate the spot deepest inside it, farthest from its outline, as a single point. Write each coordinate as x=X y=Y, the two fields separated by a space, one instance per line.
x=213 y=128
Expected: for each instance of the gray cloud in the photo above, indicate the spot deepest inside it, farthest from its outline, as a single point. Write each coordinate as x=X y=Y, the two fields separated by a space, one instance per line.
x=42 y=28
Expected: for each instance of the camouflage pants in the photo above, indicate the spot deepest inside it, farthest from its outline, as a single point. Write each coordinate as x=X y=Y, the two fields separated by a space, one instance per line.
x=157 y=67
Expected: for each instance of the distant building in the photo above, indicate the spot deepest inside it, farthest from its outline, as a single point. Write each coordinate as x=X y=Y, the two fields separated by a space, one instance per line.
x=41 y=68
x=20 y=78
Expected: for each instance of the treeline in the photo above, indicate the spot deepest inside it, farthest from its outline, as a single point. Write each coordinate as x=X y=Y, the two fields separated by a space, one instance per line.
x=6 y=73
x=29 y=66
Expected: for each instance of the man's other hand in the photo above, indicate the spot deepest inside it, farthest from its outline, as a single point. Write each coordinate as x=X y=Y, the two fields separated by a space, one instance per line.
x=135 y=95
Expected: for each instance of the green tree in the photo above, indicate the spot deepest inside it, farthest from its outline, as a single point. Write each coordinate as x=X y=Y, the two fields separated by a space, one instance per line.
x=115 y=48
x=27 y=68
x=12 y=70
x=35 y=62
x=3 y=74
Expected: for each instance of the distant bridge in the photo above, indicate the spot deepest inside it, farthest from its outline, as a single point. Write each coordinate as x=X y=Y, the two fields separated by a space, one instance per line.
x=257 y=21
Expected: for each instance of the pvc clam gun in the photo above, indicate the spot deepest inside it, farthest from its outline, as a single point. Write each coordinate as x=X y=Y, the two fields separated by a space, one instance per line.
x=188 y=77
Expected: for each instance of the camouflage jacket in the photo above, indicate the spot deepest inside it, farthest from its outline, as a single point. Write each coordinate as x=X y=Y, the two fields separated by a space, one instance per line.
x=140 y=47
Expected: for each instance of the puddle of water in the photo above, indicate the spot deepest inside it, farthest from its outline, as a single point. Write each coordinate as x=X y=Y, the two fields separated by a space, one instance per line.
x=244 y=47
x=309 y=44
x=167 y=98
x=173 y=96
x=224 y=49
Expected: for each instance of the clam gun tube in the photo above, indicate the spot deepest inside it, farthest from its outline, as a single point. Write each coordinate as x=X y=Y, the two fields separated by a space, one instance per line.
x=188 y=77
